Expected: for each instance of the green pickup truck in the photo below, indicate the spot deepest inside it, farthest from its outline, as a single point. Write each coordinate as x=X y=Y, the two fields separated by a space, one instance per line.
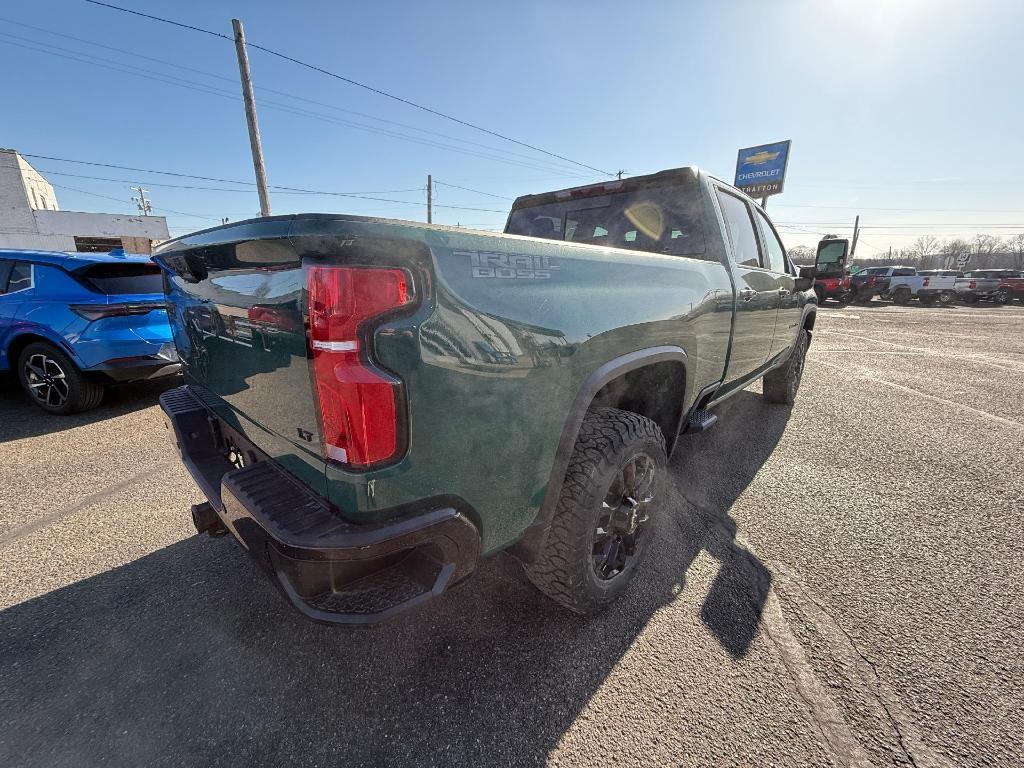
x=373 y=405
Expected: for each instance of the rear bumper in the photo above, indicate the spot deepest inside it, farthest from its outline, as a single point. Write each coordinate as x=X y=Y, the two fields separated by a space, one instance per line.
x=329 y=569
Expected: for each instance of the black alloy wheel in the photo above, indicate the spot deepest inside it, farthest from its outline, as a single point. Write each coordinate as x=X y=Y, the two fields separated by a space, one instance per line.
x=623 y=517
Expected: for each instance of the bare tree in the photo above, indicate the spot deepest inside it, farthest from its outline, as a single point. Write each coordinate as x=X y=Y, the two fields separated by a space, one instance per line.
x=950 y=249
x=1016 y=246
x=984 y=248
x=802 y=254
x=925 y=248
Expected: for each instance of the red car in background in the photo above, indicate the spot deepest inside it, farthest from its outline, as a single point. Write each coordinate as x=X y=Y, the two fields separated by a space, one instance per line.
x=832 y=287
x=1011 y=286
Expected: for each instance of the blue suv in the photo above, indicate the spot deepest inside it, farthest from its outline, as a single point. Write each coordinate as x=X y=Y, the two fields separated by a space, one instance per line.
x=72 y=323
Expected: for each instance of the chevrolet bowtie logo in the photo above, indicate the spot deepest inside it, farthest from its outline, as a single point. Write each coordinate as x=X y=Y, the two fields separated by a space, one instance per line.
x=760 y=158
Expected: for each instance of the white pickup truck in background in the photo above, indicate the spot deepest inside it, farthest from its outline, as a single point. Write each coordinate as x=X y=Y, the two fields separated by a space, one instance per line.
x=928 y=286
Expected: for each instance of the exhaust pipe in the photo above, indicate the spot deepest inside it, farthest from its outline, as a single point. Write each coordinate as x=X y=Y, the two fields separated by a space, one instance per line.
x=205 y=519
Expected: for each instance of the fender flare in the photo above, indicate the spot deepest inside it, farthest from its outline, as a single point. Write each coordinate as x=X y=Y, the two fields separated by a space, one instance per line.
x=533 y=538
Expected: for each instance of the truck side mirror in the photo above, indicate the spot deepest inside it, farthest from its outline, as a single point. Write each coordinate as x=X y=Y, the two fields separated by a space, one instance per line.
x=806 y=279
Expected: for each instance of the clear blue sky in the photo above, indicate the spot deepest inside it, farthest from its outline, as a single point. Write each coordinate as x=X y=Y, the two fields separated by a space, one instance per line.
x=891 y=104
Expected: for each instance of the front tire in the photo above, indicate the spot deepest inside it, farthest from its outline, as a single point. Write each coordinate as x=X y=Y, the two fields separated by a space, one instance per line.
x=603 y=520
x=53 y=383
x=1004 y=296
x=902 y=295
x=781 y=384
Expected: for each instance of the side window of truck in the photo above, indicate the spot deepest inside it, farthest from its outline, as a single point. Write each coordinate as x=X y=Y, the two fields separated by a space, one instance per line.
x=741 y=229
x=775 y=251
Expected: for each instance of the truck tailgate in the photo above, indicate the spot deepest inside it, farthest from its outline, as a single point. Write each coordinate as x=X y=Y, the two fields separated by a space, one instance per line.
x=236 y=315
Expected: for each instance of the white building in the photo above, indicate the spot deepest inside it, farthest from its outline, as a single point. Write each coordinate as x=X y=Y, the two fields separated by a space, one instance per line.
x=30 y=217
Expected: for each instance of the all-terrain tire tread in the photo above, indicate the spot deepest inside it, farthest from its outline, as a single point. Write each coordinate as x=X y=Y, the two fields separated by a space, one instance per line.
x=555 y=571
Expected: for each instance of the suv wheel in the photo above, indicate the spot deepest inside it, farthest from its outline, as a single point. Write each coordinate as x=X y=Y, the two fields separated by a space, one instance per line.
x=603 y=520
x=52 y=381
x=781 y=384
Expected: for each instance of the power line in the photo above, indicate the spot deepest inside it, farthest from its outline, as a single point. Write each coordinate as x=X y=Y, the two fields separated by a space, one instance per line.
x=356 y=83
x=299 y=111
x=918 y=210
x=50 y=172
x=272 y=186
x=915 y=225
x=467 y=189
x=123 y=52
x=120 y=200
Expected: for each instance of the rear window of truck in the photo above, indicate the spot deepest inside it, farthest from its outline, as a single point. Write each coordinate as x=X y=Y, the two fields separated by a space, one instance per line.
x=656 y=218
x=123 y=279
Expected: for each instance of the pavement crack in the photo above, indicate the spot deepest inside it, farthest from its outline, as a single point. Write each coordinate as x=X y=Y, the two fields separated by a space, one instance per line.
x=8 y=537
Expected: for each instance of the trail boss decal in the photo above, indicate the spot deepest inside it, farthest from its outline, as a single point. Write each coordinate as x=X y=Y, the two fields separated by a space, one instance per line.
x=509 y=266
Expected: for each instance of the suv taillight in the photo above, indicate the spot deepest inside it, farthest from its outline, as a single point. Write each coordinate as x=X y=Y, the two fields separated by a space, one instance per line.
x=359 y=403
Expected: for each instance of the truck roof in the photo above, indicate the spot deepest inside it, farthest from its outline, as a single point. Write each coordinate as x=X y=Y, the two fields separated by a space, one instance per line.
x=605 y=187
x=72 y=261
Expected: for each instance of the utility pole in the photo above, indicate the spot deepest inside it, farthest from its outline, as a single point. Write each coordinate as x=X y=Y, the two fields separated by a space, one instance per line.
x=430 y=199
x=620 y=172
x=250 y=116
x=890 y=253
x=141 y=202
x=764 y=202
x=856 y=235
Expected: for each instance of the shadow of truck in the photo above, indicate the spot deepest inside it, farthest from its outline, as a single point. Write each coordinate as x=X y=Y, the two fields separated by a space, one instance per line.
x=186 y=656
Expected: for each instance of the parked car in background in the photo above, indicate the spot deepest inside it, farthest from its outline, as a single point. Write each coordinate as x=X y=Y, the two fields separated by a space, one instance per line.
x=836 y=287
x=937 y=285
x=72 y=323
x=1011 y=286
x=831 y=270
x=986 y=284
x=876 y=281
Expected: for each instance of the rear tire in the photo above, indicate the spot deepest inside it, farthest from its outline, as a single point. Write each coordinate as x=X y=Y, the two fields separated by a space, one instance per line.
x=1004 y=296
x=782 y=384
x=603 y=520
x=54 y=383
x=902 y=295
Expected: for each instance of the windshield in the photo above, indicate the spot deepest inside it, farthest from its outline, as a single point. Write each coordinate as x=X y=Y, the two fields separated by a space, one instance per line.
x=662 y=218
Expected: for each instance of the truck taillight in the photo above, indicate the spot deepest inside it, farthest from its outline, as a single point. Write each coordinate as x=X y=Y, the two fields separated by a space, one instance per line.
x=925 y=283
x=871 y=280
x=974 y=284
x=360 y=405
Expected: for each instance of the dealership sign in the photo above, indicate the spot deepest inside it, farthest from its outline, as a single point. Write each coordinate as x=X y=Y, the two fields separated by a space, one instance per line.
x=761 y=171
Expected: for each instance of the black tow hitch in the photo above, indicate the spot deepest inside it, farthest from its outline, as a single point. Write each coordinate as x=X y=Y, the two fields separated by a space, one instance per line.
x=206 y=521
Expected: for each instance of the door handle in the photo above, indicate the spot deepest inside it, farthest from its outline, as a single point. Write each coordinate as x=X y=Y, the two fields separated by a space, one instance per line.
x=747 y=294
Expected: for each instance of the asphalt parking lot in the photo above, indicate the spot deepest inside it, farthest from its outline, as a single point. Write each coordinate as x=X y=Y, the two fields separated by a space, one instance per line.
x=837 y=584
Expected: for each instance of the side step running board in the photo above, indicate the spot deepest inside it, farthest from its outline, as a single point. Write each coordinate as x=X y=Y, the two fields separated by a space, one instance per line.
x=700 y=420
